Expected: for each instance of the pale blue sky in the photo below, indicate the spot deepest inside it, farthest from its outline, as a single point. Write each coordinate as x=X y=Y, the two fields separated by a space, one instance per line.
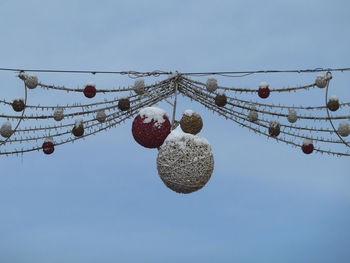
x=101 y=200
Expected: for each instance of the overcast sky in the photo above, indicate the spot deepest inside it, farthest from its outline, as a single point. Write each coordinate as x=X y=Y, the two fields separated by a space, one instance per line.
x=101 y=200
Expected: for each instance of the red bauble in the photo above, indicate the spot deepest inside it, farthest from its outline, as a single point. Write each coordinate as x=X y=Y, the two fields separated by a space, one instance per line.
x=90 y=91
x=150 y=134
x=264 y=92
x=307 y=148
x=48 y=147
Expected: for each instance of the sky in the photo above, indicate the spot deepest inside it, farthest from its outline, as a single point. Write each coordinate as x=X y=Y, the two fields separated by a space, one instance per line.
x=101 y=200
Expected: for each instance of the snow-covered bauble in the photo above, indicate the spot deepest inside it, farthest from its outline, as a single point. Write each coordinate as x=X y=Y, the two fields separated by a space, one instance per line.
x=139 y=86
x=307 y=146
x=221 y=99
x=150 y=127
x=101 y=116
x=6 y=130
x=191 y=122
x=78 y=129
x=263 y=90
x=48 y=146
x=90 y=90
x=333 y=103
x=253 y=115
x=31 y=81
x=185 y=162
x=275 y=128
x=18 y=104
x=212 y=84
x=321 y=81
x=344 y=129
x=292 y=116
x=124 y=104
x=58 y=114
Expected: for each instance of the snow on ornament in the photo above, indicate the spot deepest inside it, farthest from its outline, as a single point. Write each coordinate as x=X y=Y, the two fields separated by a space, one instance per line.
x=221 y=99
x=212 y=84
x=31 y=81
x=18 y=104
x=48 y=146
x=263 y=90
x=292 y=116
x=185 y=162
x=6 y=130
x=307 y=146
x=58 y=114
x=191 y=122
x=344 y=129
x=101 y=116
x=333 y=103
x=150 y=127
x=275 y=128
x=139 y=86
x=90 y=90
x=253 y=115
x=321 y=81
x=78 y=129
x=124 y=104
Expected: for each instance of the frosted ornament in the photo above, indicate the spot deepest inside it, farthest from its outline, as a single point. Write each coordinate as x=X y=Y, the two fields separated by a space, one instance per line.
x=275 y=128
x=253 y=115
x=292 y=116
x=191 y=122
x=31 y=81
x=101 y=116
x=185 y=162
x=6 y=130
x=78 y=129
x=139 y=86
x=58 y=114
x=344 y=129
x=212 y=84
x=321 y=81
x=333 y=103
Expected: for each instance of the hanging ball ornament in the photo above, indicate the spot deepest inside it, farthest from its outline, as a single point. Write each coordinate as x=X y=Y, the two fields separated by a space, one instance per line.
x=191 y=122
x=150 y=127
x=6 y=130
x=344 y=129
x=58 y=114
x=139 y=86
x=333 y=103
x=308 y=146
x=263 y=90
x=90 y=90
x=253 y=115
x=124 y=104
x=275 y=128
x=48 y=146
x=221 y=100
x=18 y=104
x=31 y=81
x=292 y=116
x=101 y=116
x=185 y=162
x=78 y=129
x=212 y=84
x=321 y=81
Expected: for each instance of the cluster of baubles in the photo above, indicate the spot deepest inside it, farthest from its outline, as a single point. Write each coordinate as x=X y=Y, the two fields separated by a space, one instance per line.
x=185 y=161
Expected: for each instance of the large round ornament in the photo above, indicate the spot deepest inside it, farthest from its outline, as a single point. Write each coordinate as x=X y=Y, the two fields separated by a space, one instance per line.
x=185 y=162
x=212 y=84
x=253 y=115
x=191 y=122
x=292 y=116
x=264 y=90
x=101 y=116
x=139 y=86
x=6 y=129
x=321 y=81
x=18 y=104
x=90 y=90
x=150 y=127
x=333 y=103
